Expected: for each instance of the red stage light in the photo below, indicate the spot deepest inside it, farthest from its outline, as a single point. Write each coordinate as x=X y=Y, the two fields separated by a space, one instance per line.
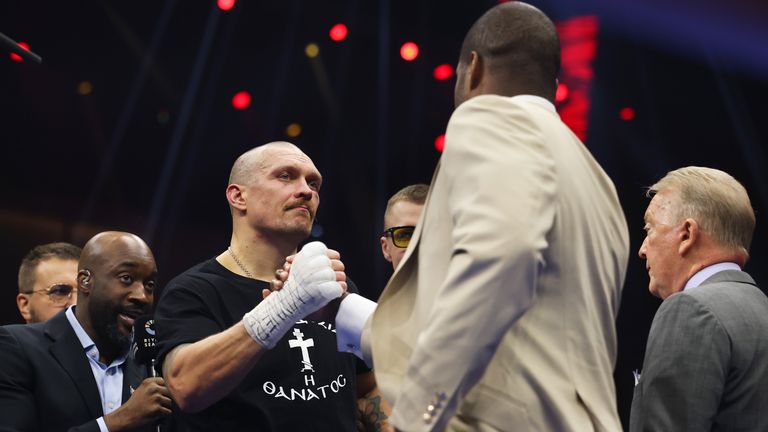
x=409 y=51
x=562 y=92
x=226 y=5
x=578 y=42
x=338 y=32
x=15 y=57
x=443 y=72
x=440 y=143
x=241 y=100
x=627 y=113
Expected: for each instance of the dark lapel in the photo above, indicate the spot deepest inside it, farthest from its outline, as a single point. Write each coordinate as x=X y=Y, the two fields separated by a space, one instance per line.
x=132 y=377
x=67 y=350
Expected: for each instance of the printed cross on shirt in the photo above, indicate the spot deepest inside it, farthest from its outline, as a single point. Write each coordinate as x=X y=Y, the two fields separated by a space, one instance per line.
x=299 y=342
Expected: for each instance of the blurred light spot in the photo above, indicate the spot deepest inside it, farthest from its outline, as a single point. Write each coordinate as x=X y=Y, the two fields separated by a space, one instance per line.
x=440 y=143
x=293 y=130
x=409 y=51
x=241 y=100
x=312 y=50
x=627 y=113
x=562 y=92
x=17 y=58
x=163 y=116
x=85 y=88
x=443 y=72
x=226 y=5
x=317 y=230
x=338 y=32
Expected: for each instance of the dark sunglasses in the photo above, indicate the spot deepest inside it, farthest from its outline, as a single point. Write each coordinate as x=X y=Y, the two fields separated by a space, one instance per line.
x=58 y=293
x=401 y=235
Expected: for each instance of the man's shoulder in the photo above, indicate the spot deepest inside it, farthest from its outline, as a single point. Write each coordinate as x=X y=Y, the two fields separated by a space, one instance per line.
x=24 y=331
x=727 y=287
x=16 y=339
x=208 y=282
x=725 y=304
x=13 y=335
x=496 y=104
x=199 y=275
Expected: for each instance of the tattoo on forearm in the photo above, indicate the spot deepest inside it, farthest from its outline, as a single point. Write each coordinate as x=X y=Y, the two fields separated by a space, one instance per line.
x=371 y=414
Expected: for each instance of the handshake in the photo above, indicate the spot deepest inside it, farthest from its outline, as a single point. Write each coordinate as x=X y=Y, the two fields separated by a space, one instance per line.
x=316 y=277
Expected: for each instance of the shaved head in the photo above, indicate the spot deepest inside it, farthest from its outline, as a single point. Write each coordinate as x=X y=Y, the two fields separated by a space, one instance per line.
x=116 y=278
x=517 y=44
x=254 y=159
x=104 y=246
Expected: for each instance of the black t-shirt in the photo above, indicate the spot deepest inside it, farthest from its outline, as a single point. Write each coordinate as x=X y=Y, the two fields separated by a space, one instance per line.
x=302 y=384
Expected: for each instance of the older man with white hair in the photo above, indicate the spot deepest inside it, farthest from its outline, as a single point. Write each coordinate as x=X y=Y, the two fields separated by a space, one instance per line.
x=706 y=363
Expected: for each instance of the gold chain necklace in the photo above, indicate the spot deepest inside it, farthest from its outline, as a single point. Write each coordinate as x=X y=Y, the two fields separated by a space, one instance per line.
x=239 y=264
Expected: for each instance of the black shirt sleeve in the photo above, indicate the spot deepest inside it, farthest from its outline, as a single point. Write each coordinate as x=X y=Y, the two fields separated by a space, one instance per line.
x=184 y=315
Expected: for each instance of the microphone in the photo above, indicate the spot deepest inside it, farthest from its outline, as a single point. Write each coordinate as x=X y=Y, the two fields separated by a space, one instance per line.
x=144 y=345
x=13 y=46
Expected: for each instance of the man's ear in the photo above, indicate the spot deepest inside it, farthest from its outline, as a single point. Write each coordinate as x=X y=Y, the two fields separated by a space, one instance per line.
x=236 y=196
x=475 y=70
x=22 y=301
x=385 y=248
x=84 y=280
x=689 y=235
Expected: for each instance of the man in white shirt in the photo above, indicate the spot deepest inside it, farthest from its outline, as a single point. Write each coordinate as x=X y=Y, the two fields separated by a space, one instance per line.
x=706 y=362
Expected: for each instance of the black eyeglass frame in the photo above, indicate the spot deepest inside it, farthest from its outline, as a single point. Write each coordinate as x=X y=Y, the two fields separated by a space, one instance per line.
x=390 y=232
x=55 y=297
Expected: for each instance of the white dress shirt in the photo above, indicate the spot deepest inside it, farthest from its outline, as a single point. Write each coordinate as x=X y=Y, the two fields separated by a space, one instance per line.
x=109 y=378
x=708 y=272
x=353 y=313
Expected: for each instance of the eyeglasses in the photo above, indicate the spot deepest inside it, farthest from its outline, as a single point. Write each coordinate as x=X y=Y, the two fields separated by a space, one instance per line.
x=59 y=293
x=401 y=235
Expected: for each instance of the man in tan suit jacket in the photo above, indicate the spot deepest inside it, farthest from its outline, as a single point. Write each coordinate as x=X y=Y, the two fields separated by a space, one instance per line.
x=501 y=314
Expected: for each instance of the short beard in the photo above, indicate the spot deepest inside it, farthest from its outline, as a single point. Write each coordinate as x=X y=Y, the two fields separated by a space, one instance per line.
x=105 y=326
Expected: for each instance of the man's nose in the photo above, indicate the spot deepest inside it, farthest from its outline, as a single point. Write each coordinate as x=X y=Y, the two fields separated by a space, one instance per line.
x=140 y=294
x=304 y=189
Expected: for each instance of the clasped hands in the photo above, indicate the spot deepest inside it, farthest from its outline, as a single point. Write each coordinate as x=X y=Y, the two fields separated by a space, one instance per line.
x=312 y=257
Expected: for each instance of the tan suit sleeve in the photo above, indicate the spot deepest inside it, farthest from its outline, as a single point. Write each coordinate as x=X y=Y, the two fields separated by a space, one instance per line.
x=502 y=182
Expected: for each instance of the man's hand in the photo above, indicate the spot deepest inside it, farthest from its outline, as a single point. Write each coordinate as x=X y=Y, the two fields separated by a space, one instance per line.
x=311 y=284
x=281 y=275
x=148 y=404
x=328 y=312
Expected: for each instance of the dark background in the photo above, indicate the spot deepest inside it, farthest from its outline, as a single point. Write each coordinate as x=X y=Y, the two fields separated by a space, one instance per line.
x=150 y=148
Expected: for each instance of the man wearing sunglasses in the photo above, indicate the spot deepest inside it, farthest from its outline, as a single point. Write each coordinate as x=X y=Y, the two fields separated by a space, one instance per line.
x=47 y=281
x=400 y=218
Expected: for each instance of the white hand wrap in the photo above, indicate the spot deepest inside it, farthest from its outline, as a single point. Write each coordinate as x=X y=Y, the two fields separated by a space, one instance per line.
x=311 y=285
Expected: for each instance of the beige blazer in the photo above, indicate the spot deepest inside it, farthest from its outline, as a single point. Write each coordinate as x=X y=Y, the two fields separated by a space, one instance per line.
x=502 y=313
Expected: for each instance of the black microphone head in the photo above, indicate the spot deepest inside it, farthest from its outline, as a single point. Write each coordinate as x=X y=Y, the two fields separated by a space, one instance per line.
x=144 y=346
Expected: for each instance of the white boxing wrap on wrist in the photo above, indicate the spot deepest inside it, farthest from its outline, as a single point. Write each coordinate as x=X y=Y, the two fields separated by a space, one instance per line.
x=311 y=285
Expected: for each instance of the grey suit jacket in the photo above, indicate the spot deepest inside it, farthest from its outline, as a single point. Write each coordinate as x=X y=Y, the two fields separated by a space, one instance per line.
x=503 y=308
x=706 y=362
x=46 y=382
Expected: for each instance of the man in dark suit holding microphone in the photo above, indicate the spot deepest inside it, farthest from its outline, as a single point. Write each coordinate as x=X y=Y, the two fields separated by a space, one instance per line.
x=73 y=372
